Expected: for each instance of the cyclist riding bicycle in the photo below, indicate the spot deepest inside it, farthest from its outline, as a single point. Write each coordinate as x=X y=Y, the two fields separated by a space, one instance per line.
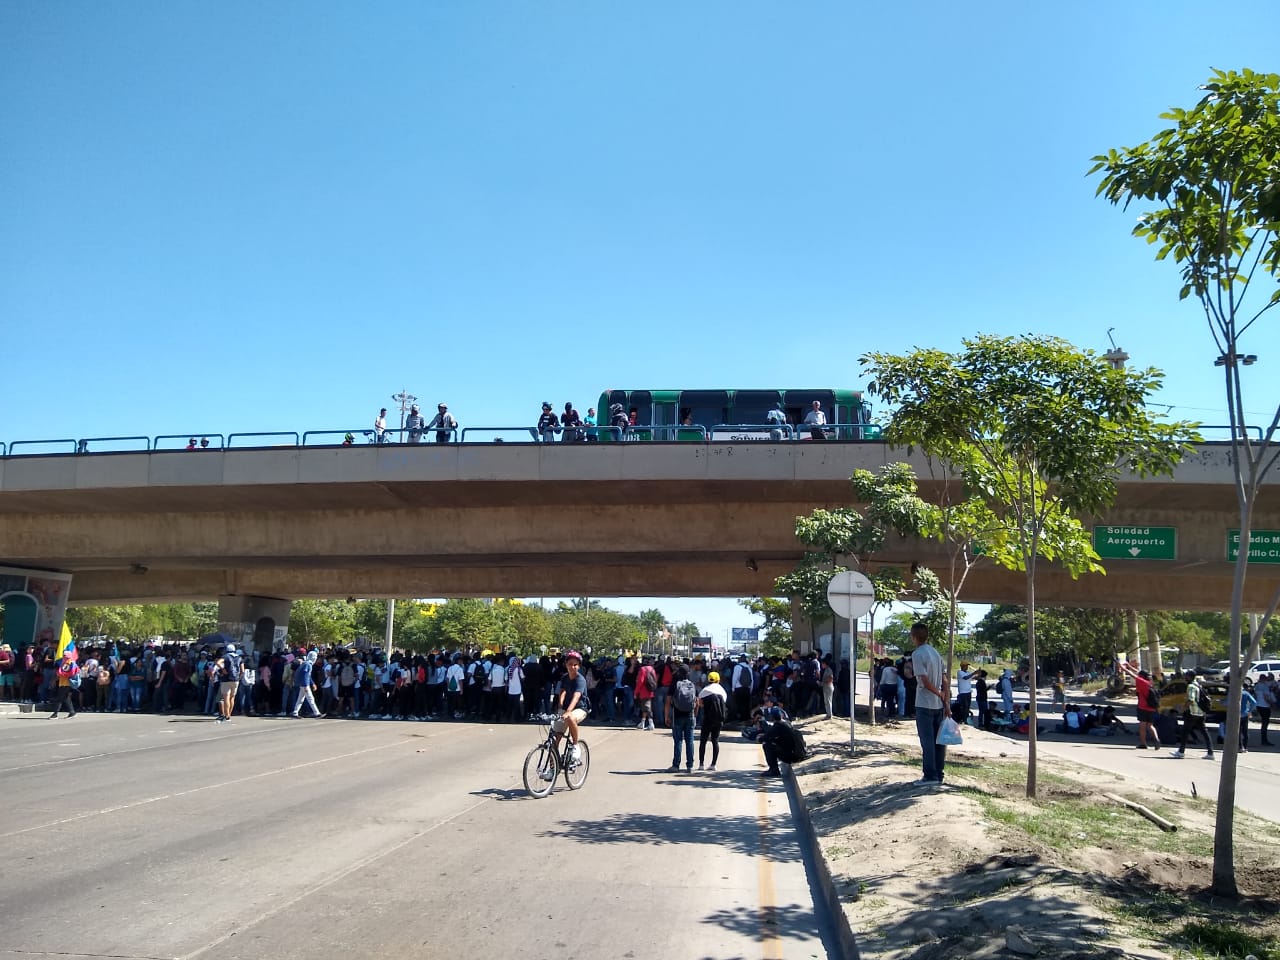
x=571 y=702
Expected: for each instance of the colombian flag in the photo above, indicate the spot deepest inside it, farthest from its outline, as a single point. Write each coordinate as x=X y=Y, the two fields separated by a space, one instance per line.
x=66 y=645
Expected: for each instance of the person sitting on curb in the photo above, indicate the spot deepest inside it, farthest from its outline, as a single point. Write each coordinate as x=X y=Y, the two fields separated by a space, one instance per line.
x=781 y=742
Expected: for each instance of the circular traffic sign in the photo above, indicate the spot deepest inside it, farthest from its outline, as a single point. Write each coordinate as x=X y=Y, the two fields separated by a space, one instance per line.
x=850 y=594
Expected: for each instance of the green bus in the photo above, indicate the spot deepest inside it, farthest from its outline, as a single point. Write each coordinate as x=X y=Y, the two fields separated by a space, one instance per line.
x=736 y=415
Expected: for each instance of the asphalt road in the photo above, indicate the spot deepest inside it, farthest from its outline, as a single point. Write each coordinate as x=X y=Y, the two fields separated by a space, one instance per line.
x=146 y=836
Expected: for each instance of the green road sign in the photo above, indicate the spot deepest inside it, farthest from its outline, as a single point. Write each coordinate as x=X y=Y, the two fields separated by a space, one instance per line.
x=1136 y=543
x=1264 y=546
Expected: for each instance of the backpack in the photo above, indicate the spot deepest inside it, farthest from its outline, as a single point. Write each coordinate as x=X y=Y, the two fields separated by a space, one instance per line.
x=650 y=678
x=233 y=666
x=812 y=671
x=453 y=684
x=713 y=710
x=685 y=697
x=74 y=677
x=348 y=676
x=1153 y=698
x=792 y=749
x=1204 y=701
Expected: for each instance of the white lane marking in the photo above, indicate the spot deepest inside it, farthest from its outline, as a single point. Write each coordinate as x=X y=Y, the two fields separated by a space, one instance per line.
x=341 y=875
x=186 y=793
x=120 y=753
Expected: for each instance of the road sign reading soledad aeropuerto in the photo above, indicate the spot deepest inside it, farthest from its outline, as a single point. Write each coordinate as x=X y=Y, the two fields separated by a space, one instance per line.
x=1264 y=546
x=1136 y=543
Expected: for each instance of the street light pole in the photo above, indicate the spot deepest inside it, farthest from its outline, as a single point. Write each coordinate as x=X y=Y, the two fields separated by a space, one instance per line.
x=406 y=400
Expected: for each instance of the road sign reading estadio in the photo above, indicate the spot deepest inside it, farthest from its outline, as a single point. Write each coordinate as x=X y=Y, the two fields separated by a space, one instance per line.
x=1136 y=543
x=850 y=594
x=1264 y=546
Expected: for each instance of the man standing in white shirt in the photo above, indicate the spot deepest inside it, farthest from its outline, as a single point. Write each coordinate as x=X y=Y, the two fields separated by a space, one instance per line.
x=933 y=697
x=380 y=426
x=815 y=420
x=964 y=692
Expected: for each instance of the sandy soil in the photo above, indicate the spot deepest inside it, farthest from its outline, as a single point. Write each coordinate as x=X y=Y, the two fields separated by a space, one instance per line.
x=971 y=869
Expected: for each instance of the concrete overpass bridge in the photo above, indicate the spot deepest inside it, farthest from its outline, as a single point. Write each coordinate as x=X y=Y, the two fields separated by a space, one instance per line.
x=622 y=519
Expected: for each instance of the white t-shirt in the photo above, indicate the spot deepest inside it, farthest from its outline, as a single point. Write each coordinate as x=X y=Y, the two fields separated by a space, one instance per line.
x=964 y=681
x=515 y=680
x=498 y=675
x=457 y=674
x=889 y=677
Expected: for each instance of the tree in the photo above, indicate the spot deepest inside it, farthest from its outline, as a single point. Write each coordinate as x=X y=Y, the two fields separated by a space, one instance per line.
x=892 y=507
x=467 y=624
x=1213 y=178
x=777 y=623
x=1040 y=431
x=321 y=622
x=652 y=622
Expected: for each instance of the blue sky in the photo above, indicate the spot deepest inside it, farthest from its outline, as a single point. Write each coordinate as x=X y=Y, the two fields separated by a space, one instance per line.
x=241 y=216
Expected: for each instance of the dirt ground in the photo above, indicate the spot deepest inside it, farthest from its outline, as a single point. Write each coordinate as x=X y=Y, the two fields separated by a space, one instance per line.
x=975 y=869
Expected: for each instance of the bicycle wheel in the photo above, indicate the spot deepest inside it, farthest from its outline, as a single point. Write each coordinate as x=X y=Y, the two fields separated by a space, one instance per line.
x=575 y=775
x=540 y=769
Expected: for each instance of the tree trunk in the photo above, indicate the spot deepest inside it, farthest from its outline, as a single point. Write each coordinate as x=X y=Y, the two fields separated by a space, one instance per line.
x=1224 y=866
x=1031 y=655
x=1132 y=646
x=871 y=672
x=1153 y=650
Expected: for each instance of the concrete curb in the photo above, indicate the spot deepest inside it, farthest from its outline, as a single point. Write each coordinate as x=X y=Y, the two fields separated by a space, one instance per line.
x=848 y=942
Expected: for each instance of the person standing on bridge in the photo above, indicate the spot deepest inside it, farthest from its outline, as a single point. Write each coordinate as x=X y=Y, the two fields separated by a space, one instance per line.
x=414 y=424
x=816 y=421
x=548 y=424
x=443 y=423
x=379 y=427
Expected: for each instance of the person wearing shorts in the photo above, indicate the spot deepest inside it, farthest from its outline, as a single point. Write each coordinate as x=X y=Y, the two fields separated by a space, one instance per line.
x=1146 y=712
x=571 y=701
x=229 y=666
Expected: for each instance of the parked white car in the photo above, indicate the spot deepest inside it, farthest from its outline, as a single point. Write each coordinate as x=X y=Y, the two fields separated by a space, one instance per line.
x=1255 y=672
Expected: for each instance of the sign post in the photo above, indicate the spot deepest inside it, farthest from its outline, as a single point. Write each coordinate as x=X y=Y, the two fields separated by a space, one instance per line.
x=851 y=595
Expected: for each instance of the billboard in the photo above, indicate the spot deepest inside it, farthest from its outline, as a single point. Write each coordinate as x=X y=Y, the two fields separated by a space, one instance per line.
x=743 y=636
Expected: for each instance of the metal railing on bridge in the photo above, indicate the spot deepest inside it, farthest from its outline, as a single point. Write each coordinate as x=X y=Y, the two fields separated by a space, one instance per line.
x=607 y=433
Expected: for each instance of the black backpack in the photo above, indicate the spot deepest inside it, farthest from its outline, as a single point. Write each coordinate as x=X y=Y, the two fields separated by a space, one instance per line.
x=792 y=747
x=1153 y=698
x=813 y=671
x=713 y=710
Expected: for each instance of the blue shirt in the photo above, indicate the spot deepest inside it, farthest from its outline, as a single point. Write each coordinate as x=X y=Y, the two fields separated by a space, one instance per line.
x=302 y=673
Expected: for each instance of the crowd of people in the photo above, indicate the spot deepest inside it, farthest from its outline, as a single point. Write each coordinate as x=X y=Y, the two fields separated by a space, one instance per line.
x=338 y=682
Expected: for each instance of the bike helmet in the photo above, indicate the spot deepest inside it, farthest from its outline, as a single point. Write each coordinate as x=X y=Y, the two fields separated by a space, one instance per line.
x=573 y=655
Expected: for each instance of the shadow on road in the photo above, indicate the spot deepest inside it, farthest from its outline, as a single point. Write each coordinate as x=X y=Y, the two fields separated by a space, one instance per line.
x=741 y=835
x=761 y=925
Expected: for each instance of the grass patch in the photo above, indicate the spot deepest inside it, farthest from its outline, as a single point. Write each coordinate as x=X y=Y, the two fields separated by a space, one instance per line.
x=1230 y=943
x=1068 y=824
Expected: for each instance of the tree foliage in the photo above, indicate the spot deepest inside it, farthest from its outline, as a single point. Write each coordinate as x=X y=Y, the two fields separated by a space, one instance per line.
x=1040 y=431
x=1211 y=187
x=776 y=638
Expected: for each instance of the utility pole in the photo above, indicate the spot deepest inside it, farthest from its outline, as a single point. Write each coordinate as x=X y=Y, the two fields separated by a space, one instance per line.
x=406 y=400
x=391 y=619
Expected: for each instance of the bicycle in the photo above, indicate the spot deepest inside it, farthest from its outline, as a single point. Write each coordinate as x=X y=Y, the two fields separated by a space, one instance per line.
x=544 y=762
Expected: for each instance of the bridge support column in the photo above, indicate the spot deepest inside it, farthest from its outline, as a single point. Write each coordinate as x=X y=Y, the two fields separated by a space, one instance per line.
x=260 y=623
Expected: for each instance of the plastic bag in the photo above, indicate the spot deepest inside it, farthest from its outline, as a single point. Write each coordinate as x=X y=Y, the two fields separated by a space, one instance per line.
x=949 y=735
